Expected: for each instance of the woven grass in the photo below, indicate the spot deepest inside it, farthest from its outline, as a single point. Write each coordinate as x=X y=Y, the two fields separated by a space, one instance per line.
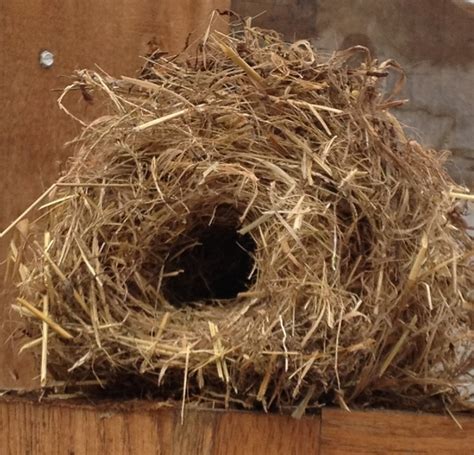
x=250 y=226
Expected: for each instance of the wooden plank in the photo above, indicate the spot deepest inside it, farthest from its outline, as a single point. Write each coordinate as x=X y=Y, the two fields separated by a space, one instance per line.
x=123 y=428
x=29 y=428
x=33 y=130
x=80 y=430
x=260 y=434
x=386 y=432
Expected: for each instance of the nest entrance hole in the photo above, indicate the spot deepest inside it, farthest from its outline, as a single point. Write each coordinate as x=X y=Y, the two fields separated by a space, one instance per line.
x=213 y=261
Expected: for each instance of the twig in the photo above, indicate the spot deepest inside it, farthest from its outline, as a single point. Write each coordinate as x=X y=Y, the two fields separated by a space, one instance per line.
x=28 y=210
x=45 y=318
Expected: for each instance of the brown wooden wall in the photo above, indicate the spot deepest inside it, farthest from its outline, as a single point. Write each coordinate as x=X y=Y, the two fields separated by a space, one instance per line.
x=144 y=428
x=81 y=33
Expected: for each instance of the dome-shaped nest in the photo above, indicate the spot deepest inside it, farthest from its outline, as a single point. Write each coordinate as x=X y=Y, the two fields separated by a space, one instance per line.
x=250 y=226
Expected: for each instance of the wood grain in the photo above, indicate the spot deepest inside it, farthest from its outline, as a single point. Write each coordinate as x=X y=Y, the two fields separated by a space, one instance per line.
x=28 y=428
x=383 y=432
x=261 y=434
x=137 y=427
x=81 y=34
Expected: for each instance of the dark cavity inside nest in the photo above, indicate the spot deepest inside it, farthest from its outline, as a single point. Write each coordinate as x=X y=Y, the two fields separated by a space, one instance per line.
x=210 y=260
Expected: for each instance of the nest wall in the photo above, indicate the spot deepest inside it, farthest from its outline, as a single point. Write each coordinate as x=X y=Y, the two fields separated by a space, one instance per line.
x=250 y=226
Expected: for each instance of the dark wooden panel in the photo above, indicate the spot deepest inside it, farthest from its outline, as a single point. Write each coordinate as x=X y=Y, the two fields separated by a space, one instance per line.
x=379 y=432
x=123 y=428
x=28 y=428
x=260 y=434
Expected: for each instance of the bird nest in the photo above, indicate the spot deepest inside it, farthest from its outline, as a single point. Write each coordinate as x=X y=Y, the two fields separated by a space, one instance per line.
x=250 y=226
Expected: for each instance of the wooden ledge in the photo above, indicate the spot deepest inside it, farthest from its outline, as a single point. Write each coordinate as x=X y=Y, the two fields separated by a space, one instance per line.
x=136 y=427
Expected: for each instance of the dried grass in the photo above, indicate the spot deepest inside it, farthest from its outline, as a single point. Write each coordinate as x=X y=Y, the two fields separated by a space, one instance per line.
x=357 y=285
